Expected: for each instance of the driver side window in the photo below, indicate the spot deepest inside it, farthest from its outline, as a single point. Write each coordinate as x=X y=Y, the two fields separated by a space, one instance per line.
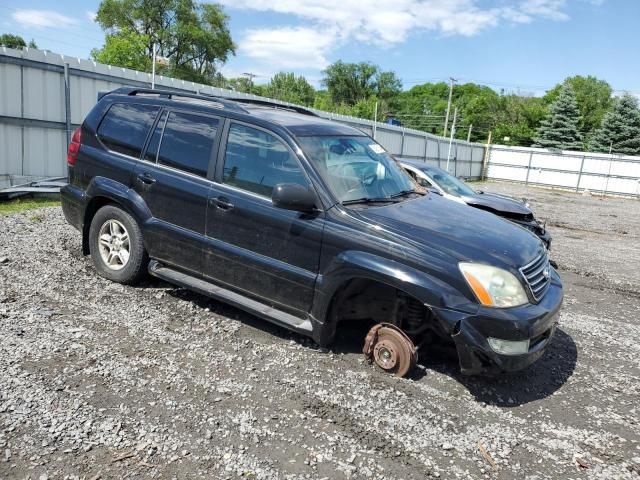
x=257 y=161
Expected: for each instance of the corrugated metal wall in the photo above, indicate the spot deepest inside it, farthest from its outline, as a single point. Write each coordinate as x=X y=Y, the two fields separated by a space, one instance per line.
x=34 y=124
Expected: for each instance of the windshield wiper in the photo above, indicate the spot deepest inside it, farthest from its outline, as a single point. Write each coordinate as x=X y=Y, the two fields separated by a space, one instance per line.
x=406 y=192
x=369 y=200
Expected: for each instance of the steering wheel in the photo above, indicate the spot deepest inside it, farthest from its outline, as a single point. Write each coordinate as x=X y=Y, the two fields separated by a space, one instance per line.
x=368 y=180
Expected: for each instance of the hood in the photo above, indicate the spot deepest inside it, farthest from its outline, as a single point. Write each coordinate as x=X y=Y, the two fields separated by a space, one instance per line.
x=498 y=203
x=467 y=234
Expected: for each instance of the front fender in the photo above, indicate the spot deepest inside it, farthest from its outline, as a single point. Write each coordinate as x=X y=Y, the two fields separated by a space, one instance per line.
x=351 y=265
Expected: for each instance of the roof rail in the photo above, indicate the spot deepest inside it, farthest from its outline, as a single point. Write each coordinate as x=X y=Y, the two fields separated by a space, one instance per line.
x=228 y=102
x=169 y=94
x=276 y=105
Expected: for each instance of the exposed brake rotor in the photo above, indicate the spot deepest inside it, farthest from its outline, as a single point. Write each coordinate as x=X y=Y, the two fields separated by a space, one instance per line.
x=390 y=349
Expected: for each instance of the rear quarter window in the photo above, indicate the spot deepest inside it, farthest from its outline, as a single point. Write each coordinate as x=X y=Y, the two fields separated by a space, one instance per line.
x=125 y=126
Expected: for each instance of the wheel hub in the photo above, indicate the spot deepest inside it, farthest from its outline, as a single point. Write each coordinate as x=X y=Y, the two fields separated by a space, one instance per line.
x=113 y=243
x=390 y=349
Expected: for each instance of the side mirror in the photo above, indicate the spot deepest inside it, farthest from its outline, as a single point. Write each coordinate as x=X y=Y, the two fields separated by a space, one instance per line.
x=293 y=196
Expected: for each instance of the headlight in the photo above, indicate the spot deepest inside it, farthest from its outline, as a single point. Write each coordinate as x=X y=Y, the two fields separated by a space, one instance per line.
x=493 y=286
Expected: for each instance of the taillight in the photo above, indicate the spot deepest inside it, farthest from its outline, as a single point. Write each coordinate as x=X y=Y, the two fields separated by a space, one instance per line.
x=74 y=147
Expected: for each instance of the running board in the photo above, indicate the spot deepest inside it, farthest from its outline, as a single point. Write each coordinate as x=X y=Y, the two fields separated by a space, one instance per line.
x=227 y=296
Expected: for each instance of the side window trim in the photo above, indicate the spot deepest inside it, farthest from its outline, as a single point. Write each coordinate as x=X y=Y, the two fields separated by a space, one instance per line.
x=219 y=172
x=143 y=155
x=222 y=151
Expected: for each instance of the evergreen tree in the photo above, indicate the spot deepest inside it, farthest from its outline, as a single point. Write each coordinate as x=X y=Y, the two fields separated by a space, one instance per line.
x=560 y=128
x=620 y=128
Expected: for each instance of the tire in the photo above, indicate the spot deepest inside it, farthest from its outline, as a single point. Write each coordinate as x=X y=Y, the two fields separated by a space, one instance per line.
x=115 y=241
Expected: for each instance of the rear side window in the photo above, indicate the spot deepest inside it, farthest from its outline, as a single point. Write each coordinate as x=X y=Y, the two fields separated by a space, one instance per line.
x=187 y=142
x=125 y=126
x=257 y=161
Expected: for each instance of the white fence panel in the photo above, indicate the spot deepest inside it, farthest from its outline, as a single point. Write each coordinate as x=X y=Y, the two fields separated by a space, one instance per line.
x=573 y=170
x=503 y=172
x=510 y=156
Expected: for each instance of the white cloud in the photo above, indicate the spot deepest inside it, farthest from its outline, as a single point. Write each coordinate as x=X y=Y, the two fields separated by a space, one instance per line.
x=91 y=15
x=42 y=18
x=552 y=9
x=288 y=47
x=331 y=23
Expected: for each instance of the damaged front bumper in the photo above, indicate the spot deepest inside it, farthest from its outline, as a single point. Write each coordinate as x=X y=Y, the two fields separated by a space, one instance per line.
x=537 y=229
x=533 y=322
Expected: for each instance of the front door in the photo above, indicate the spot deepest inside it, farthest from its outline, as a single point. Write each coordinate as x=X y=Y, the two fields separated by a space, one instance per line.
x=172 y=180
x=261 y=250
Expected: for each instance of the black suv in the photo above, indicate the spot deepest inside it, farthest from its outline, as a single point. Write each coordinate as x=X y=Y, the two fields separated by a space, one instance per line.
x=307 y=223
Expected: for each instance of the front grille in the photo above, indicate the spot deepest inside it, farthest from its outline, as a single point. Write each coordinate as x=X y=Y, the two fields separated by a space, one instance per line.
x=537 y=274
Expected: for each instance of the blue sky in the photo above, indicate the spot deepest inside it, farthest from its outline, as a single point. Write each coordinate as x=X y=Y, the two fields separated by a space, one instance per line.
x=518 y=45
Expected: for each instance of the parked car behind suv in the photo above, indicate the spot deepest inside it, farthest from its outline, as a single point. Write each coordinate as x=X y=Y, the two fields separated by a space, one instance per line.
x=306 y=223
x=453 y=188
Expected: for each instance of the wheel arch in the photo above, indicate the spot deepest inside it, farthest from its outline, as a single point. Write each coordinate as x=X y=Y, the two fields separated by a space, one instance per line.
x=353 y=267
x=103 y=191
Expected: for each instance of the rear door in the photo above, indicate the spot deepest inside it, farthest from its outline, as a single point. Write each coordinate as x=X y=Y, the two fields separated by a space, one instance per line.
x=122 y=133
x=172 y=180
x=255 y=247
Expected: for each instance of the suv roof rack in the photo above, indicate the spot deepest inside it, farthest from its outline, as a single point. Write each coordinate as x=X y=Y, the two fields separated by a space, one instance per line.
x=232 y=103
x=277 y=106
x=170 y=94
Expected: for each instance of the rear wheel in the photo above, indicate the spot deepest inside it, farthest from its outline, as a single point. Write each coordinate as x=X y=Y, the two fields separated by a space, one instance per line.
x=116 y=246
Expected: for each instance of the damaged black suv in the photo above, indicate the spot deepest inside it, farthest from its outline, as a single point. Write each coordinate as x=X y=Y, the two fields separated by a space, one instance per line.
x=307 y=223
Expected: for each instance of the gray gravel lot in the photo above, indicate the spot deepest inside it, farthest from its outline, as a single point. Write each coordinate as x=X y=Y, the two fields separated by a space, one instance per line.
x=98 y=380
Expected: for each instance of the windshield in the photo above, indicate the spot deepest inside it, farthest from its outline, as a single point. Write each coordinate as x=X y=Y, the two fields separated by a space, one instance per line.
x=356 y=168
x=451 y=184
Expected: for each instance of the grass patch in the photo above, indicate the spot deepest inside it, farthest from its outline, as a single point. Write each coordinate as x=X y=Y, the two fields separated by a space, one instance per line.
x=21 y=204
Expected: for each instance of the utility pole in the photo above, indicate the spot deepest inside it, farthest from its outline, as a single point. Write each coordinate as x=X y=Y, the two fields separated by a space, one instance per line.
x=153 y=67
x=487 y=152
x=469 y=134
x=375 y=120
x=446 y=118
x=250 y=76
x=453 y=132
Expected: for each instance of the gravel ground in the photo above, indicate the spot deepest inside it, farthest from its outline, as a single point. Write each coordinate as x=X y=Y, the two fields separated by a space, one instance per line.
x=98 y=380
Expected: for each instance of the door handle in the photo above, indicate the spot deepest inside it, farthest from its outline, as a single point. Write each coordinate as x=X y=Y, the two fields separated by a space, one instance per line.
x=146 y=178
x=222 y=203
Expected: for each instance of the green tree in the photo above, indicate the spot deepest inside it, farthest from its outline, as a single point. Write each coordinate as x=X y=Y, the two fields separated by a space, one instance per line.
x=244 y=85
x=290 y=88
x=15 y=41
x=517 y=118
x=387 y=85
x=593 y=97
x=349 y=83
x=424 y=107
x=620 y=128
x=560 y=128
x=194 y=37
x=126 y=49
